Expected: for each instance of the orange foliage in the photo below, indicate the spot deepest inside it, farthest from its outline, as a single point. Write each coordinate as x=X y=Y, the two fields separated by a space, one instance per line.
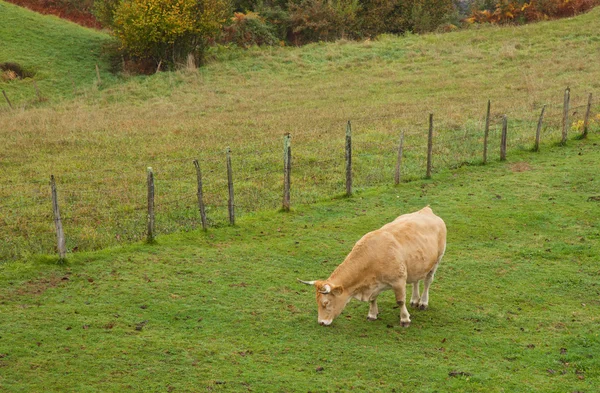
x=510 y=11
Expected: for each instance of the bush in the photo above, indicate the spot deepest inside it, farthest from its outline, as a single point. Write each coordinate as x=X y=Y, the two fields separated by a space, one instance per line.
x=511 y=11
x=167 y=31
x=249 y=29
x=104 y=11
x=277 y=17
x=323 y=20
x=381 y=16
x=399 y=16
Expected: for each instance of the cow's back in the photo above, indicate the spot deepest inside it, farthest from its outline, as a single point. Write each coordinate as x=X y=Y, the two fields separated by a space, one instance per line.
x=421 y=238
x=411 y=244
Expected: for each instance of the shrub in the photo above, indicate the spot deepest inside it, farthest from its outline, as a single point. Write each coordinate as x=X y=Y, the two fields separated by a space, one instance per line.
x=249 y=29
x=381 y=16
x=104 y=11
x=277 y=17
x=514 y=11
x=399 y=16
x=323 y=20
x=168 y=31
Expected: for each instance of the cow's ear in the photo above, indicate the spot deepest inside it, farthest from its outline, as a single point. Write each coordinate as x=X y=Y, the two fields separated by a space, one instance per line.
x=337 y=290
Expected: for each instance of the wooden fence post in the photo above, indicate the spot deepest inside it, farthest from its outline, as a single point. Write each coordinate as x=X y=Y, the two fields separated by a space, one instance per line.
x=150 y=230
x=429 y=146
x=60 y=235
x=486 y=132
x=503 y=139
x=98 y=75
x=230 y=202
x=538 y=131
x=7 y=100
x=586 y=121
x=565 y=122
x=287 y=171
x=349 y=159
x=200 y=196
x=397 y=176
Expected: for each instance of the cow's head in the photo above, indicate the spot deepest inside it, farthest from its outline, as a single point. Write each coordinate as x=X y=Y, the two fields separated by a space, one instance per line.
x=330 y=300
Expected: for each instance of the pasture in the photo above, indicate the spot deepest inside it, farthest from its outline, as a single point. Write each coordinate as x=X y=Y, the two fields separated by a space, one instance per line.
x=515 y=303
x=98 y=139
x=514 y=306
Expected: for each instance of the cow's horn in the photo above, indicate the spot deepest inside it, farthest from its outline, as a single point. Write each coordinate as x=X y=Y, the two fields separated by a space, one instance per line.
x=306 y=282
x=326 y=289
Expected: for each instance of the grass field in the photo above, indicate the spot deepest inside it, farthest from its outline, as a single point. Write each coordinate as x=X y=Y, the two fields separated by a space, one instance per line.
x=99 y=141
x=514 y=306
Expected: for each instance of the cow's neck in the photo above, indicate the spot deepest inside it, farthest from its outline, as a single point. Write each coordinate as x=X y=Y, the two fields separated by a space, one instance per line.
x=350 y=274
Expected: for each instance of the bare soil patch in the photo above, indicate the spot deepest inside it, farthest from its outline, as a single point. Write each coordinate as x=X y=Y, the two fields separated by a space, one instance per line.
x=61 y=9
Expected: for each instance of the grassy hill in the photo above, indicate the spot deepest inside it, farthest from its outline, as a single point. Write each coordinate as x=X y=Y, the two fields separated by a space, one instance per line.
x=61 y=55
x=99 y=143
x=514 y=306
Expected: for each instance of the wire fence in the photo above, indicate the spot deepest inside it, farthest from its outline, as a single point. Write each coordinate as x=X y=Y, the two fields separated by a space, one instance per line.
x=108 y=206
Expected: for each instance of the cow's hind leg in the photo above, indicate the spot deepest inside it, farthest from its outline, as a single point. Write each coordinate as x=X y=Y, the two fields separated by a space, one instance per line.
x=415 y=298
x=424 y=302
x=373 y=310
x=400 y=291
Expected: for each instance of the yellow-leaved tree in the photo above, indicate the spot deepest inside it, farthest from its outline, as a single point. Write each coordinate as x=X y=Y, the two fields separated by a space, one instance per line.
x=168 y=31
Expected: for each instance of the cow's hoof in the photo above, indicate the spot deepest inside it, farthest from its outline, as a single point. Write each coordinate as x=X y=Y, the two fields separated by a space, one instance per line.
x=405 y=324
x=422 y=306
x=371 y=318
x=414 y=305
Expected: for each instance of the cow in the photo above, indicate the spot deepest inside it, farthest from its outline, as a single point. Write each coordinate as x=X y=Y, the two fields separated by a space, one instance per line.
x=405 y=251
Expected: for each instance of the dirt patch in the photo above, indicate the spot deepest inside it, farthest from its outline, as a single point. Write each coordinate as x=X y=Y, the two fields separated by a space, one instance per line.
x=41 y=285
x=520 y=167
x=11 y=71
x=62 y=9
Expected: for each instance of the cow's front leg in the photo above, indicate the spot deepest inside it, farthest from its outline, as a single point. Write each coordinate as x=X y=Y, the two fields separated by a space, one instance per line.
x=400 y=291
x=373 y=310
x=415 y=298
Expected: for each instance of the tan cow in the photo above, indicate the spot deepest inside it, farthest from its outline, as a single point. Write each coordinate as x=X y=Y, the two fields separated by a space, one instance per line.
x=407 y=250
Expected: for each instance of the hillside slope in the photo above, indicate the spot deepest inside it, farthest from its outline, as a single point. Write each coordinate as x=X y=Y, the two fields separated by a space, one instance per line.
x=514 y=306
x=99 y=145
x=62 y=55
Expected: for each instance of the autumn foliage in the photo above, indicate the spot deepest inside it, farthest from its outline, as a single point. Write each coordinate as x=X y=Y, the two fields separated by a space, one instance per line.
x=510 y=11
x=167 y=31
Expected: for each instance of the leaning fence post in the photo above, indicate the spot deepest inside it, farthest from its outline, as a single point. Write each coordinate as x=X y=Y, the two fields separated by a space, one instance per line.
x=287 y=169
x=230 y=202
x=399 y=161
x=486 y=132
x=200 y=196
x=150 y=237
x=565 y=122
x=503 y=139
x=538 y=132
x=7 y=100
x=429 y=146
x=349 y=159
x=98 y=75
x=60 y=235
x=586 y=121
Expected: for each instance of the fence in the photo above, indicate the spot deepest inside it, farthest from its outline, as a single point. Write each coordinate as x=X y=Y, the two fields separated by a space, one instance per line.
x=84 y=210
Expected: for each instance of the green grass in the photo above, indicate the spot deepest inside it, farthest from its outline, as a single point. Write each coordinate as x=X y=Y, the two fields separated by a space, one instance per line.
x=99 y=143
x=514 y=306
x=61 y=54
